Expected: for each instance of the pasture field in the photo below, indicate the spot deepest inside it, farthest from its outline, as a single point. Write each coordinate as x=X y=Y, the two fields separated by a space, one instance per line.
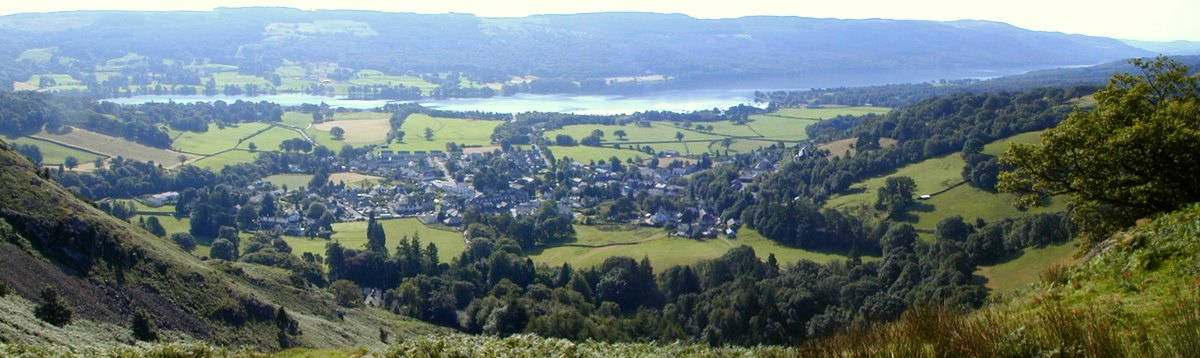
x=595 y=244
x=445 y=130
x=36 y=55
x=232 y=157
x=114 y=147
x=233 y=78
x=657 y=132
x=211 y=67
x=353 y=235
x=269 y=140
x=830 y=111
x=842 y=147
x=297 y=119
x=374 y=78
x=54 y=153
x=1023 y=270
x=781 y=128
x=932 y=175
x=354 y=178
x=998 y=147
x=216 y=139
x=586 y=154
x=292 y=181
x=359 y=132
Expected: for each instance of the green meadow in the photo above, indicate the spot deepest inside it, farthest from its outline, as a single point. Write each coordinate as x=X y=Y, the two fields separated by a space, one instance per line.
x=585 y=154
x=594 y=244
x=445 y=130
x=54 y=153
x=936 y=174
x=217 y=139
x=353 y=235
x=232 y=157
x=1023 y=270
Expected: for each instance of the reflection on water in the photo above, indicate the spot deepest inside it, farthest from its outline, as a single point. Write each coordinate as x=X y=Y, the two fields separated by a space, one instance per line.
x=676 y=101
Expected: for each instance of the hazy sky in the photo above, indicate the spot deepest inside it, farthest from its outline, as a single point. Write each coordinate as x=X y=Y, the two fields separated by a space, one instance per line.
x=1159 y=20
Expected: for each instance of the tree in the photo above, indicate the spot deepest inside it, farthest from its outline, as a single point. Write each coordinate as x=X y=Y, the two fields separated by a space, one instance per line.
x=346 y=293
x=224 y=249
x=428 y=133
x=184 y=240
x=71 y=162
x=252 y=146
x=155 y=227
x=1131 y=157
x=337 y=132
x=598 y=133
x=679 y=136
x=620 y=133
x=564 y=140
x=142 y=328
x=896 y=196
x=54 y=310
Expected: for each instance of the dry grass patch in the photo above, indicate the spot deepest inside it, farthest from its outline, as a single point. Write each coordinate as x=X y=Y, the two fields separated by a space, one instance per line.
x=114 y=147
x=359 y=131
x=352 y=178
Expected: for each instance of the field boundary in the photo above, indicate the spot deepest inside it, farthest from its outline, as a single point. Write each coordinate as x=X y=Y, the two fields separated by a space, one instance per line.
x=72 y=146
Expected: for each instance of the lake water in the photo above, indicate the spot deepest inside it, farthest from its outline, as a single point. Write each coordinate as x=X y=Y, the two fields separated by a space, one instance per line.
x=676 y=101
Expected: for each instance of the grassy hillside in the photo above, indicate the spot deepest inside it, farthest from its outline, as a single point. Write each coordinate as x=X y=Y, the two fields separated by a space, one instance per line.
x=106 y=269
x=1137 y=297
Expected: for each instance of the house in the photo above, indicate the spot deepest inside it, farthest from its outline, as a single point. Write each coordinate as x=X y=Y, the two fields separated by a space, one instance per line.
x=161 y=199
x=925 y=197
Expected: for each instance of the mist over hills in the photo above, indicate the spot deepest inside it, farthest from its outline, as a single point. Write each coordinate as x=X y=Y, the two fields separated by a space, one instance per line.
x=576 y=47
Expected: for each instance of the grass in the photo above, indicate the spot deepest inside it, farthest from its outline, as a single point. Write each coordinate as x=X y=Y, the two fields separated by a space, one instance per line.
x=932 y=175
x=54 y=153
x=292 y=181
x=445 y=130
x=594 y=244
x=36 y=55
x=354 y=178
x=998 y=147
x=830 y=111
x=216 y=162
x=354 y=235
x=361 y=128
x=1023 y=271
x=297 y=119
x=657 y=132
x=270 y=139
x=217 y=139
x=585 y=154
x=113 y=146
x=233 y=78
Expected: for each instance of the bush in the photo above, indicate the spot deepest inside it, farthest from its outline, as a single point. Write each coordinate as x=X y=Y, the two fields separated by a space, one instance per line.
x=54 y=309
x=143 y=328
x=185 y=240
x=346 y=293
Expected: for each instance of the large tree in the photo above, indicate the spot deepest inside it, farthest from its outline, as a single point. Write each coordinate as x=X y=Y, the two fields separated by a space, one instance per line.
x=1132 y=156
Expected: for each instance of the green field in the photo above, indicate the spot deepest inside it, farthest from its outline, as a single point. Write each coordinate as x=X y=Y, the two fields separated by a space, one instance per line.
x=233 y=78
x=998 y=147
x=1024 y=270
x=292 y=181
x=445 y=130
x=657 y=132
x=54 y=153
x=375 y=78
x=216 y=139
x=585 y=154
x=361 y=128
x=297 y=119
x=663 y=251
x=216 y=162
x=37 y=55
x=353 y=235
x=932 y=175
x=269 y=141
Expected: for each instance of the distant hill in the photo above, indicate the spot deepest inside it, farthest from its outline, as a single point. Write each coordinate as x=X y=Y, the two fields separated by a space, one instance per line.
x=107 y=269
x=568 y=46
x=1169 y=48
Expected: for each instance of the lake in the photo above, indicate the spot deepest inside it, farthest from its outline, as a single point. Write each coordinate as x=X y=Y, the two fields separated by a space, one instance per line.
x=675 y=101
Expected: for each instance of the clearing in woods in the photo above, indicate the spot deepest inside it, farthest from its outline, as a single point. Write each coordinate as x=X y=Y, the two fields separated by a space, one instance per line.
x=54 y=153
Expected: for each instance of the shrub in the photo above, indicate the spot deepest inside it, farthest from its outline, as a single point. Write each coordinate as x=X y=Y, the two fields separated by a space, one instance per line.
x=54 y=309
x=143 y=328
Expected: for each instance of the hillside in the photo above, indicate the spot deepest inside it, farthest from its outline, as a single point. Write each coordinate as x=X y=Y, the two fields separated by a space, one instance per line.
x=107 y=269
x=581 y=46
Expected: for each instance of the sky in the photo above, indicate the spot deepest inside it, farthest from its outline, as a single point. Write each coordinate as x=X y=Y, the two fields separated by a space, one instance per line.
x=1151 y=20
